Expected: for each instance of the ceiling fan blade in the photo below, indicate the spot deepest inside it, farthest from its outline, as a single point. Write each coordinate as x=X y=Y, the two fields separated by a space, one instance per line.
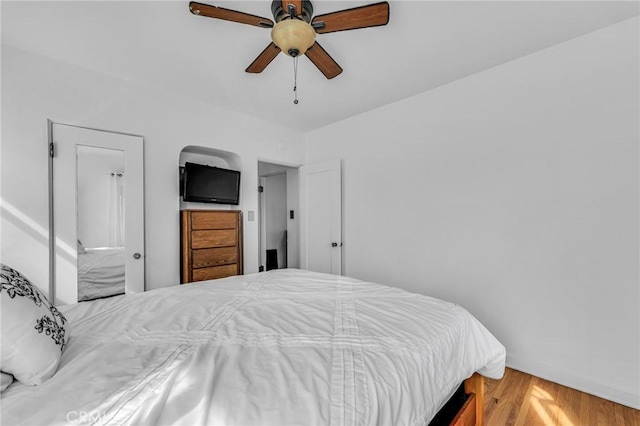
x=323 y=61
x=373 y=15
x=229 y=15
x=296 y=3
x=263 y=59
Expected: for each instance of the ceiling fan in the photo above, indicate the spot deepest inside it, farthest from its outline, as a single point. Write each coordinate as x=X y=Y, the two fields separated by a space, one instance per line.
x=295 y=28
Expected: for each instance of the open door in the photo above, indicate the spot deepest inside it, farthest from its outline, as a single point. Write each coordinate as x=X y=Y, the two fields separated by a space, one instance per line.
x=321 y=217
x=97 y=241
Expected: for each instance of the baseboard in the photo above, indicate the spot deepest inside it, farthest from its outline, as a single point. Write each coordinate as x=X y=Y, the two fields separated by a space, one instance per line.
x=582 y=384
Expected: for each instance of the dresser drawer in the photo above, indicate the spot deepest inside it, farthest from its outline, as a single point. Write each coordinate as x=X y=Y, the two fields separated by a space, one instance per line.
x=220 y=220
x=211 y=238
x=203 y=258
x=215 y=272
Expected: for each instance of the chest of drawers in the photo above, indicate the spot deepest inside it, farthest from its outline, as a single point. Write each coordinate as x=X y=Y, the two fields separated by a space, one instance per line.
x=211 y=244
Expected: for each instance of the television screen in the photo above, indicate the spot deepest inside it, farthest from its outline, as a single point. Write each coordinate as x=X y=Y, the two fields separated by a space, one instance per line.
x=206 y=184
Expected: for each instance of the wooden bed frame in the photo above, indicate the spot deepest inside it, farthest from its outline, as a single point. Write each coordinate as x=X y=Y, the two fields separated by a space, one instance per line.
x=472 y=411
x=465 y=407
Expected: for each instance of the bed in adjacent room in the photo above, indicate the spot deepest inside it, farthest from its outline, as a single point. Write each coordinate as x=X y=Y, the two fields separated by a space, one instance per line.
x=284 y=347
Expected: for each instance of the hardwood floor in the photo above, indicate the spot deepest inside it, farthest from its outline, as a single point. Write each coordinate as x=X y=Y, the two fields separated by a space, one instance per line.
x=520 y=399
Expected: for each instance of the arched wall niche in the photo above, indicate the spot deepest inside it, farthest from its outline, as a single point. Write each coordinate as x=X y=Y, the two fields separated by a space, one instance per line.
x=211 y=157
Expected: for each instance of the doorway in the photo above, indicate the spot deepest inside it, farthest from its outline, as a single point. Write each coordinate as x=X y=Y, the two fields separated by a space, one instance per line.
x=278 y=216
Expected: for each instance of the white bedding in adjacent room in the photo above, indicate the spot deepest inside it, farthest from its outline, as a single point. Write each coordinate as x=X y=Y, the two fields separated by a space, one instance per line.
x=282 y=347
x=101 y=272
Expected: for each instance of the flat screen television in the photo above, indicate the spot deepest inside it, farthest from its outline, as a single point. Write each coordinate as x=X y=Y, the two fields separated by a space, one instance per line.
x=206 y=184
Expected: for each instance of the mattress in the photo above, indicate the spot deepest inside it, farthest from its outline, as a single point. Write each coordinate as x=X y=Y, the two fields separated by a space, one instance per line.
x=284 y=347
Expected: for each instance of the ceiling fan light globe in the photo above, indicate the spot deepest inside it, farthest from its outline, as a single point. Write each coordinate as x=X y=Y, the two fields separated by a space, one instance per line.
x=293 y=35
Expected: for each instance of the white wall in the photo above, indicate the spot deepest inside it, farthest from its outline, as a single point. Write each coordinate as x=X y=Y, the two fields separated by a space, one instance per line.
x=35 y=88
x=513 y=192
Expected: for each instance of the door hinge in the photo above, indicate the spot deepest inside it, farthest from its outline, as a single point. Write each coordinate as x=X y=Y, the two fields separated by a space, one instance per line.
x=51 y=150
x=260 y=188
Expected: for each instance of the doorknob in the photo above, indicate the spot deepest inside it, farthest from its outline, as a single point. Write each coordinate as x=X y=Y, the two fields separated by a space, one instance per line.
x=334 y=244
x=137 y=256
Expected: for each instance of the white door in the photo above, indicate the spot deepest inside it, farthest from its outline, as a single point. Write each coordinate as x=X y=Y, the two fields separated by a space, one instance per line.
x=321 y=217
x=70 y=144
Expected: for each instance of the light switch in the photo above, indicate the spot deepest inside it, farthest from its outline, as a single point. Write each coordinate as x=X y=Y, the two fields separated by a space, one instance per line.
x=250 y=215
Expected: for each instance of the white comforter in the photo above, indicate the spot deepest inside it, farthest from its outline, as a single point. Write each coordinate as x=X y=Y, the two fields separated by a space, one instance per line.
x=284 y=347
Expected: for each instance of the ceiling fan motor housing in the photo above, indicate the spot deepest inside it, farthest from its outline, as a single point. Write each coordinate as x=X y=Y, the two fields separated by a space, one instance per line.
x=279 y=13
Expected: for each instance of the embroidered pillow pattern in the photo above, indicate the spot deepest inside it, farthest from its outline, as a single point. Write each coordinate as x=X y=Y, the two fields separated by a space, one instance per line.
x=15 y=284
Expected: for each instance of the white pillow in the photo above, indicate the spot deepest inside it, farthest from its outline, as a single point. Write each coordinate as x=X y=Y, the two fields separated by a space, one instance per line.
x=5 y=380
x=33 y=330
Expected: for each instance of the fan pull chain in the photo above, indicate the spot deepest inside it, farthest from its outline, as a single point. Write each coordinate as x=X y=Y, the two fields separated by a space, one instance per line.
x=295 y=80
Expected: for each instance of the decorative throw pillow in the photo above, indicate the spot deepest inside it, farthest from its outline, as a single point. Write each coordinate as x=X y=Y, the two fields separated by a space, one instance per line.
x=5 y=380
x=33 y=330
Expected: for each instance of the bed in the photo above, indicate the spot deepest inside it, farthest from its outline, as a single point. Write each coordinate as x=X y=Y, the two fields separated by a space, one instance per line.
x=100 y=272
x=284 y=347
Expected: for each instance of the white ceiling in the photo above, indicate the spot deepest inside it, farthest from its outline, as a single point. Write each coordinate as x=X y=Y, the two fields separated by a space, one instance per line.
x=425 y=45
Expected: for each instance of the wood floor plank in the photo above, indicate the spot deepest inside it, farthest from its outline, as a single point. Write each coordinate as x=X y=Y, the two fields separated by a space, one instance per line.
x=523 y=393
x=490 y=403
x=544 y=409
x=585 y=406
x=506 y=397
x=625 y=416
x=568 y=407
x=523 y=414
x=605 y=412
x=619 y=416
x=520 y=399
